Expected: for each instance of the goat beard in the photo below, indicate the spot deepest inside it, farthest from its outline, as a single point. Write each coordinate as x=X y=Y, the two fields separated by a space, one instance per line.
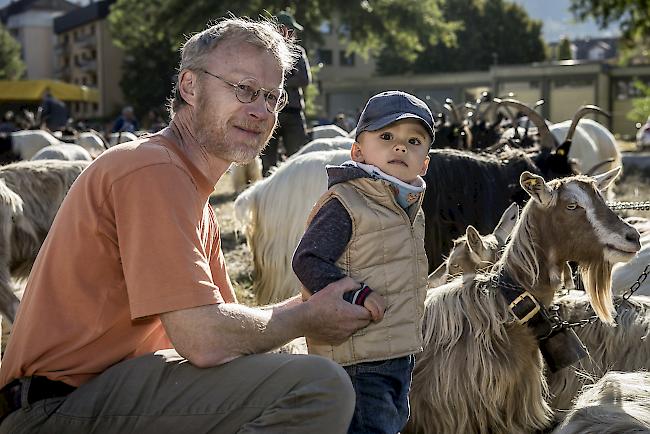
x=213 y=137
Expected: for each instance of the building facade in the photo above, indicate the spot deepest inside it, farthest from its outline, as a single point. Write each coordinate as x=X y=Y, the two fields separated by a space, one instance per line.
x=30 y=22
x=85 y=55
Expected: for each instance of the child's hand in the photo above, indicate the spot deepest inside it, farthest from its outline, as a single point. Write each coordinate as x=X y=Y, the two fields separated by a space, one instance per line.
x=376 y=305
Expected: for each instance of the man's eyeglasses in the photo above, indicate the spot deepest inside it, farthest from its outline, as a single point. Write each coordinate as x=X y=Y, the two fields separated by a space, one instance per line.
x=248 y=89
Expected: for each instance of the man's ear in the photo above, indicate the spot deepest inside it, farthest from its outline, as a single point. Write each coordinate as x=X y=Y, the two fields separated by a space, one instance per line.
x=187 y=86
x=425 y=166
x=356 y=154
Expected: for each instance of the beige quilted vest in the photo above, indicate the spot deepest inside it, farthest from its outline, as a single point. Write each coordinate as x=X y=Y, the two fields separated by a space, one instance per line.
x=386 y=252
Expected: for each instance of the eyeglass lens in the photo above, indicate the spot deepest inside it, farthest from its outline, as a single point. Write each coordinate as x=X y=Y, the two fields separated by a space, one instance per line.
x=249 y=89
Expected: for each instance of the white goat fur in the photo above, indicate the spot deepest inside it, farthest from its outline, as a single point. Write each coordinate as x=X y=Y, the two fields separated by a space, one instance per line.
x=618 y=404
x=625 y=347
x=62 y=152
x=330 y=144
x=30 y=195
x=28 y=142
x=286 y=198
x=123 y=137
x=327 y=131
x=625 y=275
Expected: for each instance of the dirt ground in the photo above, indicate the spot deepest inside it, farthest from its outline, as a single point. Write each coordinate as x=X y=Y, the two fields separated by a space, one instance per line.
x=633 y=186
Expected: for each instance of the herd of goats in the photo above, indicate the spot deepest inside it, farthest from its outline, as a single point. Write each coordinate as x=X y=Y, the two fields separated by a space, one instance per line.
x=508 y=194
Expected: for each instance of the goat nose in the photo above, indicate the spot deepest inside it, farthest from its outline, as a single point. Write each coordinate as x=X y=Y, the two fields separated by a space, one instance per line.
x=632 y=235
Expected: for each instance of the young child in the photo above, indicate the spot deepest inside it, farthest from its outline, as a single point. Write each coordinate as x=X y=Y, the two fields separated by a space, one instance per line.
x=369 y=226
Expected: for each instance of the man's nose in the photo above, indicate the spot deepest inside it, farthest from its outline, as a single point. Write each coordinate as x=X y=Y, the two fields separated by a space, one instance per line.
x=257 y=108
x=400 y=147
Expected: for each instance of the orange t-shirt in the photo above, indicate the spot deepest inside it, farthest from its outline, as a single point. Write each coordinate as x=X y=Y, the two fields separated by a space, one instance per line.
x=134 y=237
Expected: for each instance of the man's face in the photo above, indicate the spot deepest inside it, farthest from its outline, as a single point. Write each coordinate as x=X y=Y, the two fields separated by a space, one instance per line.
x=225 y=127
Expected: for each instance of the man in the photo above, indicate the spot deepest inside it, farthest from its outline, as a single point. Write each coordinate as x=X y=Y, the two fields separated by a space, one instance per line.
x=53 y=112
x=126 y=122
x=143 y=271
x=292 y=124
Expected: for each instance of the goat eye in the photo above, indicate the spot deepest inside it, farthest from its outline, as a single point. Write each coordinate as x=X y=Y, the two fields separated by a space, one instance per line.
x=572 y=206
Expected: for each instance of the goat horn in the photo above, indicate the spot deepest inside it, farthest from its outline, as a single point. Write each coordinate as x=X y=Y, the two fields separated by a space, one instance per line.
x=591 y=171
x=546 y=139
x=101 y=137
x=582 y=111
x=452 y=109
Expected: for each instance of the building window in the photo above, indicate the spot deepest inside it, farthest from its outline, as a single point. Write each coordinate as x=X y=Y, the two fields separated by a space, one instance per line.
x=345 y=60
x=324 y=56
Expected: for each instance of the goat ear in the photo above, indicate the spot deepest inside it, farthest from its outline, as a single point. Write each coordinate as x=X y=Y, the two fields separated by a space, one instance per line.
x=536 y=188
x=604 y=180
x=506 y=223
x=474 y=240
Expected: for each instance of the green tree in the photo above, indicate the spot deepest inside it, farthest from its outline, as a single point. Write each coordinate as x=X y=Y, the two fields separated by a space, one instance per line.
x=151 y=32
x=491 y=31
x=11 y=65
x=640 y=106
x=564 y=49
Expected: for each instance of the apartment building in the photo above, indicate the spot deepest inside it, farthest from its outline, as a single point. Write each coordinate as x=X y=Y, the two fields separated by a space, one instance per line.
x=30 y=22
x=85 y=55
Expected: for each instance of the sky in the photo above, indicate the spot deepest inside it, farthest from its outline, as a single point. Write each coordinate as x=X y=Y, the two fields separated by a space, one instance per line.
x=558 y=20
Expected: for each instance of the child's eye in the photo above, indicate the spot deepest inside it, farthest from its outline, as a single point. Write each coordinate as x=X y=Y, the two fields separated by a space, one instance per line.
x=386 y=136
x=414 y=141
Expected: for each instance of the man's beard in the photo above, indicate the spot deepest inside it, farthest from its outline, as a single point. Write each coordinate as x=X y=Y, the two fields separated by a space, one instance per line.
x=213 y=137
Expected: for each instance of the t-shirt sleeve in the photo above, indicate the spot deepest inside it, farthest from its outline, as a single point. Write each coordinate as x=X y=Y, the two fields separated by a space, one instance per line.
x=165 y=261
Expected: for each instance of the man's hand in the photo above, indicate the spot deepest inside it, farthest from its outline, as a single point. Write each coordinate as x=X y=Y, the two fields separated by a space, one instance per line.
x=376 y=304
x=331 y=319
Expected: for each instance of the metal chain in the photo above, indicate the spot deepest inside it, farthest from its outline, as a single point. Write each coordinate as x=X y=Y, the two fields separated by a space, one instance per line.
x=636 y=285
x=644 y=206
x=559 y=323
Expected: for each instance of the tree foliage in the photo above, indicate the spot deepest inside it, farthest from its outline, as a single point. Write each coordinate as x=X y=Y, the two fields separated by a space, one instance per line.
x=152 y=31
x=633 y=15
x=564 y=49
x=641 y=105
x=492 y=31
x=11 y=65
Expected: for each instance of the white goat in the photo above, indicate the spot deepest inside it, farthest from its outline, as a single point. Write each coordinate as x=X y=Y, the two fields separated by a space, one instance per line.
x=289 y=207
x=64 y=151
x=330 y=144
x=28 y=142
x=327 y=131
x=122 y=137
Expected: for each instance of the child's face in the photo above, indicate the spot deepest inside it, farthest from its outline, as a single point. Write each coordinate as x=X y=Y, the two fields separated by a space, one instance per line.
x=399 y=149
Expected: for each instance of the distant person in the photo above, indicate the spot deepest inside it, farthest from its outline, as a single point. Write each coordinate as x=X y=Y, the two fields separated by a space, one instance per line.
x=53 y=113
x=126 y=122
x=292 y=125
x=8 y=125
x=155 y=121
x=341 y=121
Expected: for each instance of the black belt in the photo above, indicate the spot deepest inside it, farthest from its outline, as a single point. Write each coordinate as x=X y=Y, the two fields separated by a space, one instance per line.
x=39 y=388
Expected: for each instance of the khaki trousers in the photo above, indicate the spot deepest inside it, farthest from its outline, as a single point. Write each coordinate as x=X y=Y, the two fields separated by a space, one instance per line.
x=163 y=393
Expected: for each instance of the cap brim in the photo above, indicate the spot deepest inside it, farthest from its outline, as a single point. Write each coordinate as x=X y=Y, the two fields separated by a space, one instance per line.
x=394 y=117
x=298 y=27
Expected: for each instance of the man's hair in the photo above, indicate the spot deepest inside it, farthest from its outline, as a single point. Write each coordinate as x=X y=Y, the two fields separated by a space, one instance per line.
x=263 y=34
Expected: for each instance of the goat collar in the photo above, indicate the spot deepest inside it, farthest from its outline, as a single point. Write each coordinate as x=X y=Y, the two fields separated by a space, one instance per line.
x=523 y=305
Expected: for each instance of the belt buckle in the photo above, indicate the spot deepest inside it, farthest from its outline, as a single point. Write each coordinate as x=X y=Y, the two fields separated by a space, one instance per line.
x=524 y=297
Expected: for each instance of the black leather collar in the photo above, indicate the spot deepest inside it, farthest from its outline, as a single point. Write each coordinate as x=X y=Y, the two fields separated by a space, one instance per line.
x=524 y=306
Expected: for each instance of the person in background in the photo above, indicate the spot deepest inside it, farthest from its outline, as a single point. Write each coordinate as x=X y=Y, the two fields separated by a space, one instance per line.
x=126 y=122
x=52 y=113
x=292 y=125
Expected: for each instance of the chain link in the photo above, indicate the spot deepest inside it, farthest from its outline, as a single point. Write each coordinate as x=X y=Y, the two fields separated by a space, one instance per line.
x=643 y=206
x=636 y=285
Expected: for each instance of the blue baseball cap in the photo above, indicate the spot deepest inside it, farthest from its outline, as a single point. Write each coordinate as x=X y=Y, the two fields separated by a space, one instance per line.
x=387 y=107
